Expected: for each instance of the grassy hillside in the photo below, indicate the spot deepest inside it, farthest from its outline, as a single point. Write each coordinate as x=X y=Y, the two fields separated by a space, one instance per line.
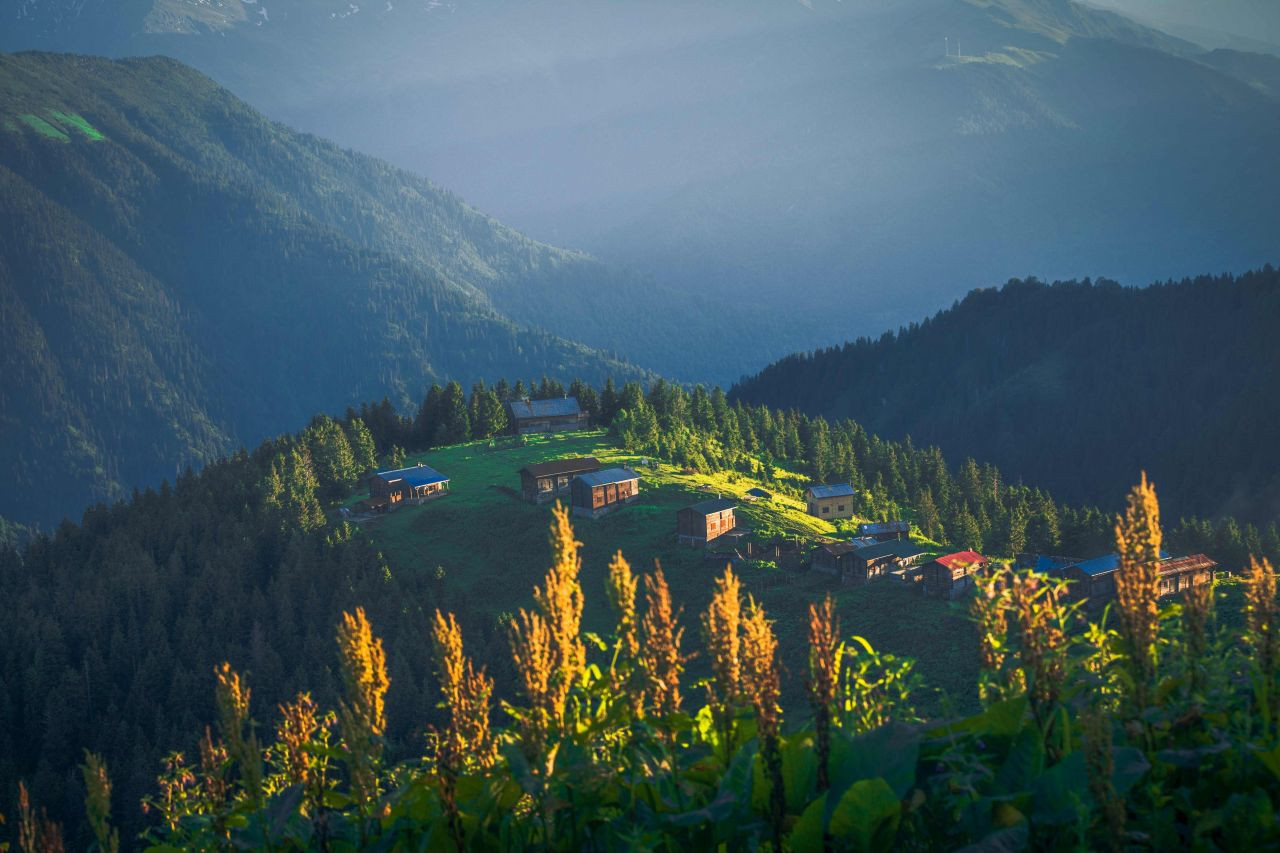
x=489 y=548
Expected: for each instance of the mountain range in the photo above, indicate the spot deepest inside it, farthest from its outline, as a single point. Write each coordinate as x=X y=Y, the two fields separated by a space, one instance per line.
x=812 y=171
x=1076 y=387
x=180 y=276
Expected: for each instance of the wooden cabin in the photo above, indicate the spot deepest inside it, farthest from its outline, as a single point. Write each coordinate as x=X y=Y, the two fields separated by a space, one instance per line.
x=883 y=558
x=706 y=521
x=599 y=492
x=949 y=576
x=547 y=481
x=417 y=483
x=556 y=415
x=830 y=502
x=1094 y=581
x=884 y=531
x=835 y=559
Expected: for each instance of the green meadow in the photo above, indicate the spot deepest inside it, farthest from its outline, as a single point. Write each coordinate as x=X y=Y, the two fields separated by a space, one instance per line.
x=488 y=548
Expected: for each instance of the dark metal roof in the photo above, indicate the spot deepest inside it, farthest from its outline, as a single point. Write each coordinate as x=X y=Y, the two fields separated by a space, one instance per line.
x=759 y=493
x=609 y=475
x=554 y=408
x=838 y=549
x=709 y=507
x=416 y=475
x=562 y=466
x=896 y=548
x=841 y=490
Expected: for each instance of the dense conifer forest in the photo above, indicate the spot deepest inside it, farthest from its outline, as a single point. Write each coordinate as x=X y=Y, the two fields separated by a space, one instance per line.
x=117 y=623
x=1178 y=378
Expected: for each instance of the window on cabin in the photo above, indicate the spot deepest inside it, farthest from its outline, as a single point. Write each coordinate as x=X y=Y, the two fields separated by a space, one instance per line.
x=840 y=508
x=544 y=485
x=826 y=510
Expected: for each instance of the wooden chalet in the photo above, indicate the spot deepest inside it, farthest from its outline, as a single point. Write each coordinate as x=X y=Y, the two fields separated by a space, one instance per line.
x=418 y=483
x=950 y=575
x=555 y=415
x=834 y=558
x=884 y=558
x=883 y=531
x=1094 y=581
x=706 y=521
x=599 y=492
x=547 y=481
x=830 y=501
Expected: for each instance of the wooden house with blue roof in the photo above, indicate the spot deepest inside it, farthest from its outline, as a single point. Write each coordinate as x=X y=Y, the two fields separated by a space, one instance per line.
x=556 y=415
x=417 y=483
x=1094 y=581
x=830 y=501
x=596 y=493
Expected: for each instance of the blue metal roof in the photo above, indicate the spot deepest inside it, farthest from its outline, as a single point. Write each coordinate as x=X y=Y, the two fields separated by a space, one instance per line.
x=609 y=475
x=842 y=490
x=1107 y=563
x=416 y=475
x=1046 y=564
x=875 y=527
x=559 y=407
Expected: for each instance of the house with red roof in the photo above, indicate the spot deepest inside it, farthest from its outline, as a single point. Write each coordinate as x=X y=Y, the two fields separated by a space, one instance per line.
x=950 y=575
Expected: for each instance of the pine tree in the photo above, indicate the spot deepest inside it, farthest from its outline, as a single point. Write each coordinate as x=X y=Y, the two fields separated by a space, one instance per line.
x=454 y=425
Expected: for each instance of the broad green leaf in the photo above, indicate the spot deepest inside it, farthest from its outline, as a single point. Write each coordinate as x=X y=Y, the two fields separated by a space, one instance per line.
x=889 y=752
x=1024 y=763
x=867 y=815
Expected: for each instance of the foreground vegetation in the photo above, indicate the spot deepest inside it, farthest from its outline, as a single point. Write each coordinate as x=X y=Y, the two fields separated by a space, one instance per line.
x=1145 y=728
x=113 y=625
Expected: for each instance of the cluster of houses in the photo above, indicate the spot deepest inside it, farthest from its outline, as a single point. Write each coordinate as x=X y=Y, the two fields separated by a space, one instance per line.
x=1094 y=580
x=879 y=550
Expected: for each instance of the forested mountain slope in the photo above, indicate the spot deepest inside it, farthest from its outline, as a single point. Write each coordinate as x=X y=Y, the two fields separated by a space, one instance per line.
x=179 y=275
x=845 y=166
x=1075 y=385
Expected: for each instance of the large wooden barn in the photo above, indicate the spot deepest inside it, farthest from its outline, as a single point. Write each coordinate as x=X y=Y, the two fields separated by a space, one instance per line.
x=1094 y=581
x=417 y=483
x=830 y=501
x=547 y=481
x=706 y=521
x=556 y=415
x=950 y=575
x=599 y=492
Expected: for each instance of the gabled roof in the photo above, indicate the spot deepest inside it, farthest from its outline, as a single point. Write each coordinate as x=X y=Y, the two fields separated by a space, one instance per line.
x=714 y=506
x=609 y=475
x=897 y=548
x=562 y=466
x=838 y=549
x=557 y=407
x=877 y=527
x=960 y=559
x=840 y=490
x=864 y=541
x=416 y=475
